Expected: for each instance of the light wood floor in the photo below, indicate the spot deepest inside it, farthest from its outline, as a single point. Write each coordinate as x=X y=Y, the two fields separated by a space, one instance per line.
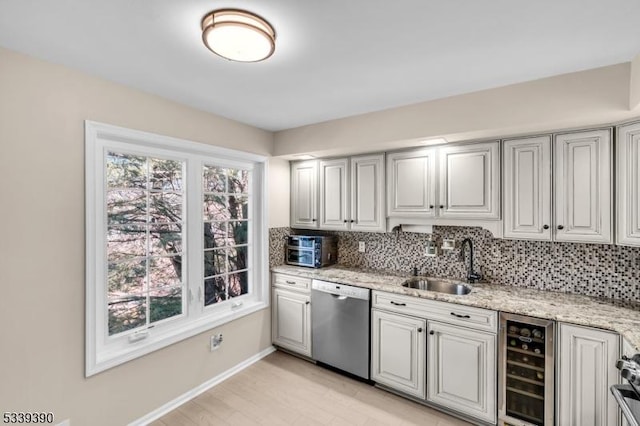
x=284 y=390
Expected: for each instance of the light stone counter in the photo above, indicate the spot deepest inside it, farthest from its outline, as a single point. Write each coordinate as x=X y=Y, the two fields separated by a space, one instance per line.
x=622 y=317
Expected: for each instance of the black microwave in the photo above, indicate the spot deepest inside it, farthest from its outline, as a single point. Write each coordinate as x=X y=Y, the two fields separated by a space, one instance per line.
x=311 y=251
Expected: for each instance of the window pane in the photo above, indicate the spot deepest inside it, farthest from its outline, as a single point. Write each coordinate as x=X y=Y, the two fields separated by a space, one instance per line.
x=165 y=271
x=165 y=175
x=238 y=206
x=238 y=181
x=165 y=303
x=238 y=284
x=214 y=234
x=237 y=258
x=214 y=262
x=126 y=241
x=127 y=206
x=165 y=239
x=127 y=277
x=238 y=232
x=126 y=312
x=165 y=207
x=126 y=171
x=214 y=179
x=215 y=207
x=214 y=290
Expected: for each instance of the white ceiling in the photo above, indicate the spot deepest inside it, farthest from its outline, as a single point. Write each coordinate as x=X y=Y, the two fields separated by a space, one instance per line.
x=333 y=58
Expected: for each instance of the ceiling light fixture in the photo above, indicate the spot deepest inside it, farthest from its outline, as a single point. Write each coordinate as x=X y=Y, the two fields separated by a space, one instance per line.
x=238 y=35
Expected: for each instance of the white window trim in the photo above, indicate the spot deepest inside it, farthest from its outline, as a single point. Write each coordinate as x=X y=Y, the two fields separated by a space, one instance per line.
x=101 y=356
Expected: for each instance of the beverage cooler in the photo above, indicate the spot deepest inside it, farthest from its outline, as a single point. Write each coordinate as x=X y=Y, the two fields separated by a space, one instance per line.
x=526 y=373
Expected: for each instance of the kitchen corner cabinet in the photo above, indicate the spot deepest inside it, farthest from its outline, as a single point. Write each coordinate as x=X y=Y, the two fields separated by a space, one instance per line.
x=628 y=184
x=291 y=313
x=398 y=352
x=470 y=181
x=304 y=194
x=587 y=359
x=526 y=188
x=583 y=186
x=411 y=183
x=462 y=370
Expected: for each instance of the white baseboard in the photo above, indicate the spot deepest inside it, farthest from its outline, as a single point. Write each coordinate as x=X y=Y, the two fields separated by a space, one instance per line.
x=187 y=396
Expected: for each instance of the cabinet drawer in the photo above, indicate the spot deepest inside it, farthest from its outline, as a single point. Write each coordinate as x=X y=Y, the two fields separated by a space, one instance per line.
x=291 y=282
x=449 y=313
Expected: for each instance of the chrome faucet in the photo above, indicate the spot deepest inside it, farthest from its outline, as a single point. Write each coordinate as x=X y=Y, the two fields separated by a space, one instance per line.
x=472 y=276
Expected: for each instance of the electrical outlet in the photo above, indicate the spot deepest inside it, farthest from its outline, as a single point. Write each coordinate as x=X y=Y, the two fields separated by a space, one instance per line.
x=216 y=341
x=361 y=247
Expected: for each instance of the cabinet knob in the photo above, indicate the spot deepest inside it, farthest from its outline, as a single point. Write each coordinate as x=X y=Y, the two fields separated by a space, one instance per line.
x=352 y=220
x=431 y=206
x=313 y=220
x=432 y=332
x=307 y=303
x=560 y=227
x=441 y=206
x=545 y=226
x=420 y=330
x=345 y=221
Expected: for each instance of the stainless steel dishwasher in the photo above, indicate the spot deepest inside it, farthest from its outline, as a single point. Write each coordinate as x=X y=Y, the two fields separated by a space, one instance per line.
x=340 y=326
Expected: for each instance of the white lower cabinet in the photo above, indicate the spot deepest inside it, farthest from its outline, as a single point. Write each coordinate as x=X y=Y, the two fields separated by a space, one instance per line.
x=586 y=371
x=291 y=321
x=461 y=370
x=398 y=352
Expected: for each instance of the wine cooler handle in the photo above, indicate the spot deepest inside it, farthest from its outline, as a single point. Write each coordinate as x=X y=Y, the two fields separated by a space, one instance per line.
x=460 y=316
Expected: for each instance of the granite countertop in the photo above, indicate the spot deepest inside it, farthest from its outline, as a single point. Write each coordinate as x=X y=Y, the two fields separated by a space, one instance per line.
x=616 y=315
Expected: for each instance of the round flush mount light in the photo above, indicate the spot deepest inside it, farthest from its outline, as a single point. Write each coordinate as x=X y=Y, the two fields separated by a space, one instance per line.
x=238 y=35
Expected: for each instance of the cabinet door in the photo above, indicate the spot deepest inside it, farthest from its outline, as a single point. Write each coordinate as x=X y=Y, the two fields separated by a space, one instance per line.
x=628 y=184
x=582 y=187
x=367 y=193
x=526 y=186
x=333 y=194
x=398 y=352
x=411 y=183
x=461 y=370
x=291 y=321
x=470 y=181
x=587 y=369
x=304 y=195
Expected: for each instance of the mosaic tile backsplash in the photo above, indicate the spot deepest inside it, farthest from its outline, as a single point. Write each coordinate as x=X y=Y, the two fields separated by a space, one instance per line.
x=590 y=269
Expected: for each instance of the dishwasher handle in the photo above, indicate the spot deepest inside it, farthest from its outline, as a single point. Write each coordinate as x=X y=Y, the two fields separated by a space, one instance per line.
x=337 y=296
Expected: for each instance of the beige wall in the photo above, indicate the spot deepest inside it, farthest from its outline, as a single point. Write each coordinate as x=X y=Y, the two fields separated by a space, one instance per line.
x=634 y=84
x=585 y=98
x=42 y=108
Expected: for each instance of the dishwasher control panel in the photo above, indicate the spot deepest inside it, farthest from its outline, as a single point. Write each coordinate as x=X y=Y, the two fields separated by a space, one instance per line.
x=341 y=289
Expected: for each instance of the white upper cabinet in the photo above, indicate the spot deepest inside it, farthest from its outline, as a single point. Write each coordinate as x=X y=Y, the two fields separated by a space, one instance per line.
x=304 y=194
x=334 y=197
x=582 y=186
x=411 y=183
x=367 y=193
x=526 y=188
x=470 y=181
x=628 y=185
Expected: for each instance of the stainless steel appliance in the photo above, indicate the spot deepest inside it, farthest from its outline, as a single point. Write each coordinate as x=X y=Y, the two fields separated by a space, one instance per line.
x=628 y=396
x=311 y=251
x=340 y=326
x=526 y=373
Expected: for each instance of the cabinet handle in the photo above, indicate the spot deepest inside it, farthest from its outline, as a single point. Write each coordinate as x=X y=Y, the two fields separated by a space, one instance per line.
x=420 y=330
x=290 y=282
x=560 y=227
x=432 y=332
x=307 y=302
x=398 y=304
x=460 y=316
x=545 y=226
x=352 y=220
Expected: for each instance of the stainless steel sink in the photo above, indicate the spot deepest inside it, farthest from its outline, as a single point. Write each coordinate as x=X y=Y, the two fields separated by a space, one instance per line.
x=438 y=285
